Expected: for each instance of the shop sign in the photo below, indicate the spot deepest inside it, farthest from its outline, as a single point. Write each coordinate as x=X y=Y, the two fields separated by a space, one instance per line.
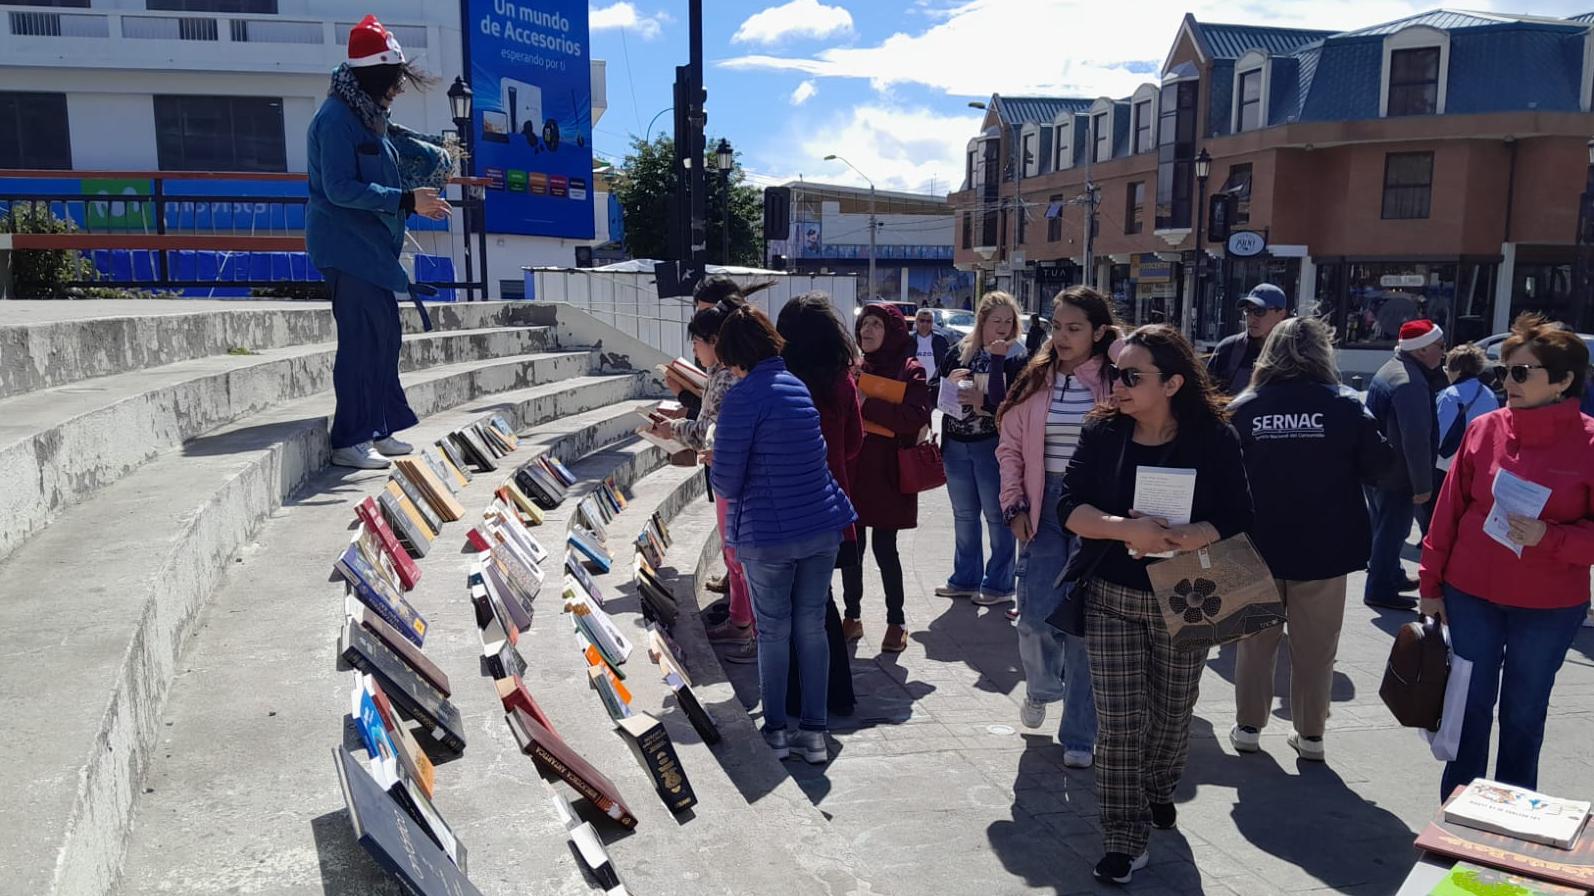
x=1151 y=269
x=1398 y=281
x=1246 y=244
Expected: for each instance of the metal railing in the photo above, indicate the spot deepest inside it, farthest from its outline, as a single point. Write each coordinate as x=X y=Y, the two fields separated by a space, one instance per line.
x=237 y=29
x=58 y=24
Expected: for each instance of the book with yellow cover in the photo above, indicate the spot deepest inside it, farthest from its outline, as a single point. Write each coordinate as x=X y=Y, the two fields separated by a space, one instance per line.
x=885 y=389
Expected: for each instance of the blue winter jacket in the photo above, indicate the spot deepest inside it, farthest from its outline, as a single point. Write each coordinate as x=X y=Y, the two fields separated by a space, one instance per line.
x=353 y=222
x=769 y=462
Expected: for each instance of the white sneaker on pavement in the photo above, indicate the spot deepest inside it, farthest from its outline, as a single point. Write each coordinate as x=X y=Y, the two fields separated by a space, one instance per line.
x=1032 y=714
x=1078 y=758
x=360 y=457
x=1311 y=749
x=392 y=447
x=1245 y=738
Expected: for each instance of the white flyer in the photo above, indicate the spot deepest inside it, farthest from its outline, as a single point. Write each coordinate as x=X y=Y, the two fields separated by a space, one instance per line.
x=1512 y=494
x=1167 y=493
x=947 y=401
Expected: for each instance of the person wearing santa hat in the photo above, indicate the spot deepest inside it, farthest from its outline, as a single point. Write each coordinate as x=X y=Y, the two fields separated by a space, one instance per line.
x=354 y=230
x=1401 y=399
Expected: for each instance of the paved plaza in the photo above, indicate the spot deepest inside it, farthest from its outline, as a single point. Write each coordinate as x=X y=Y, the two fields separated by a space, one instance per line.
x=942 y=791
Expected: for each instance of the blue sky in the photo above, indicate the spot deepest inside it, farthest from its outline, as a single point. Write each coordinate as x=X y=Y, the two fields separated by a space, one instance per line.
x=886 y=83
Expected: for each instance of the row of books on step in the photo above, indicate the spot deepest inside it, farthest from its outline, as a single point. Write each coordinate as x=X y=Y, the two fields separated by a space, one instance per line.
x=389 y=794
x=1531 y=843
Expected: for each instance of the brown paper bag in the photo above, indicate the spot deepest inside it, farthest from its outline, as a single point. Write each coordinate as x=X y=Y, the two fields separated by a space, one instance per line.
x=1216 y=595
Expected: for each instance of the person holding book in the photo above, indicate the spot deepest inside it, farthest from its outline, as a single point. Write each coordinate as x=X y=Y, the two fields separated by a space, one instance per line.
x=1506 y=560
x=785 y=517
x=980 y=366
x=1294 y=418
x=1166 y=414
x=896 y=409
x=1040 y=421
x=820 y=352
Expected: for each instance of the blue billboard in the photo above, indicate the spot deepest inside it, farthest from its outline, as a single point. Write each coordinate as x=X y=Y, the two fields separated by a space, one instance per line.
x=530 y=74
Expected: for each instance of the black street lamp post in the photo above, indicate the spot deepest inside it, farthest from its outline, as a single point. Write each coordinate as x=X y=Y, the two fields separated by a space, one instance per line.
x=724 y=158
x=1203 y=170
x=460 y=101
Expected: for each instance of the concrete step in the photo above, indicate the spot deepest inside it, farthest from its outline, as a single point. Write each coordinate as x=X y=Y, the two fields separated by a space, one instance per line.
x=96 y=607
x=58 y=446
x=52 y=343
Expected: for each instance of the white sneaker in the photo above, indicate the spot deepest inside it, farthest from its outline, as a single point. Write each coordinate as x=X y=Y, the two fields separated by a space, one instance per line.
x=360 y=457
x=1032 y=714
x=1078 y=759
x=1310 y=749
x=392 y=447
x=988 y=599
x=1245 y=738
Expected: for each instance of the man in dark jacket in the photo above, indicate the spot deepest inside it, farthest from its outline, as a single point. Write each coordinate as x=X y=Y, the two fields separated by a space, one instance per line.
x=930 y=345
x=1401 y=399
x=1264 y=307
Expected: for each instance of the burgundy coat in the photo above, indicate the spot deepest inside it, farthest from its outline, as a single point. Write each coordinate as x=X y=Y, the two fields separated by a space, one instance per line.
x=841 y=423
x=873 y=475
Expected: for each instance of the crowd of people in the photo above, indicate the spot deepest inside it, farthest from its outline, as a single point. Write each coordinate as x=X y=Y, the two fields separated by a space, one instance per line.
x=812 y=429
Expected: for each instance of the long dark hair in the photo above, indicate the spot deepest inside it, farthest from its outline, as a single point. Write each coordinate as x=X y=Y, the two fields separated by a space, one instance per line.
x=819 y=350
x=1098 y=311
x=377 y=80
x=747 y=339
x=719 y=287
x=1198 y=403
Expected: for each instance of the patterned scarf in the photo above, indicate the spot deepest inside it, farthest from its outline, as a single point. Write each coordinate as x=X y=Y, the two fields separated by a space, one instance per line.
x=425 y=160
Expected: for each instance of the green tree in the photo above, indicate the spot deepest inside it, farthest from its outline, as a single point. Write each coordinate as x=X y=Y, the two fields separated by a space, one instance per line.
x=644 y=191
x=43 y=274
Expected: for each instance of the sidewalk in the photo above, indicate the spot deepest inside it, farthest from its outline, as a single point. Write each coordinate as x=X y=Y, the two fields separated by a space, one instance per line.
x=939 y=786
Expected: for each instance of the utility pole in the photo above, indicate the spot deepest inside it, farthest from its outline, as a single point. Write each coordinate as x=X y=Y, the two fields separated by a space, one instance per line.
x=1090 y=204
x=697 y=119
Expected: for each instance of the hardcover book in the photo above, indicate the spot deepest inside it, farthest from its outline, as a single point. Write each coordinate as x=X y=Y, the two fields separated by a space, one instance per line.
x=539 y=471
x=664 y=530
x=594 y=554
x=499 y=586
x=503 y=660
x=657 y=606
x=393 y=838
x=397 y=642
x=419 y=526
x=527 y=511
x=565 y=475
x=482 y=435
x=491 y=619
x=525 y=581
x=408 y=690
x=1518 y=812
x=513 y=694
x=1467 y=879
x=517 y=533
x=455 y=460
x=373 y=590
x=584 y=837
x=387 y=770
x=645 y=550
x=407 y=523
x=589 y=586
x=376 y=558
x=652 y=746
x=371 y=515
x=1572 y=867
x=555 y=758
x=540 y=492
x=500 y=423
x=435 y=463
x=613 y=485
x=431 y=488
x=473 y=450
x=434 y=523
x=415 y=761
x=598 y=678
x=681 y=684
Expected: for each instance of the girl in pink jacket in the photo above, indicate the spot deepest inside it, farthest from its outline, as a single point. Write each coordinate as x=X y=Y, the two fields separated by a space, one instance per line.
x=1039 y=426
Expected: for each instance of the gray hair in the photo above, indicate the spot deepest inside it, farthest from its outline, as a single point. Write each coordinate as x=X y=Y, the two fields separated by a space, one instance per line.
x=1299 y=348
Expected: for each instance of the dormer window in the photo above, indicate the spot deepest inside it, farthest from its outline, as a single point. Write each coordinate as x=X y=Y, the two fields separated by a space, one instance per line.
x=1250 y=93
x=1063 y=146
x=1143 y=119
x=1101 y=134
x=1416 y=69
x=1030 y=158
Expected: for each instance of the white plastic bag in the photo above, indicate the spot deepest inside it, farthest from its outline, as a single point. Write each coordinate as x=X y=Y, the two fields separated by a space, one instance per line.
x=1447 y=740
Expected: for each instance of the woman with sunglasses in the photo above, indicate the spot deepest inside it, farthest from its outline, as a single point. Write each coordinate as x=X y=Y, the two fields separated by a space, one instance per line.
x=1040 y=423
x=1515 y=592
x=1166 y=413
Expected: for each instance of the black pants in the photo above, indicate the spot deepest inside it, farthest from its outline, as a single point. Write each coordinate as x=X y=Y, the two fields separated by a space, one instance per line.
x=885 y=556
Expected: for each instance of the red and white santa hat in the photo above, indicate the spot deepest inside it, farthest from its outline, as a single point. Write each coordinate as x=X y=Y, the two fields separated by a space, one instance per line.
x=371 y=44
x=1418 y=334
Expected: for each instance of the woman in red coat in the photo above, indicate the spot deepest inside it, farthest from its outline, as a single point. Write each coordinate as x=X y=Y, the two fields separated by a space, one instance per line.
x=1514 y=585
x=888 y=352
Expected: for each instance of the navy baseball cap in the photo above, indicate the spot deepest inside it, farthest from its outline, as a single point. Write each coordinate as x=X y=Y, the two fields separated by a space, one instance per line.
x=1266 y=296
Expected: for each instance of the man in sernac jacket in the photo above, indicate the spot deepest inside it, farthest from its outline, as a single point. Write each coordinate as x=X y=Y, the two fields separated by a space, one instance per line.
x=1401 y=399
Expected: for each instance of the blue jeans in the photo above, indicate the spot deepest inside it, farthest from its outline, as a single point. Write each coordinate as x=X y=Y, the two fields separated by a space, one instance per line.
x=974 y=484
x=1391 y=515
x=1515 y=653
x=365 y=375
x=790 y=586
x=1056 y=664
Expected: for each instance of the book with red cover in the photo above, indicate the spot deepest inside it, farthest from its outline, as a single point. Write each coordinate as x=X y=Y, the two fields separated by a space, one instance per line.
x=1572 y=867
x=514 y=694
x=554 y=757
x=371 y=515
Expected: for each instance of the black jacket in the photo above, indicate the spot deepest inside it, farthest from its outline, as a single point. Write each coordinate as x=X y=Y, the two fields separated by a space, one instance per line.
x=1231 y=362
x=1309 y=448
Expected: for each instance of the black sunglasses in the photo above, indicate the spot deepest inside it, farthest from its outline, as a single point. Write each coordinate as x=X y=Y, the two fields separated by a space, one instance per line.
x=1521 y=372
x=1129 y=376
x=1253 y=310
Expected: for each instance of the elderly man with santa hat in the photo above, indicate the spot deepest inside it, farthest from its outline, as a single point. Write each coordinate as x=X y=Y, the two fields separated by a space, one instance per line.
x=1401 y=399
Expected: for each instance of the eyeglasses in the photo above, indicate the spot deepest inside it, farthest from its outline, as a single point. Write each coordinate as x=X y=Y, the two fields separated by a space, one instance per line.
x=1253 y=310
x=1521 y=372
x=1129 y=376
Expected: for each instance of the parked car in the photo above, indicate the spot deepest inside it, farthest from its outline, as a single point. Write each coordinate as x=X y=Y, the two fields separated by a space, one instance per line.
x=954 y=322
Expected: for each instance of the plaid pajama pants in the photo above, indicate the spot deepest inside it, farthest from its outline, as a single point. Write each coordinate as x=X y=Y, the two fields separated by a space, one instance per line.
x=1145 y=695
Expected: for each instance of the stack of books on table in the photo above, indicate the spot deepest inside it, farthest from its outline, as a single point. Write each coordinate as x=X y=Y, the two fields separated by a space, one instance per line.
x=1541 y=842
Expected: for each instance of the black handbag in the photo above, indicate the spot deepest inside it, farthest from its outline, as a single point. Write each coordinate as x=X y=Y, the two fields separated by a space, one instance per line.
x=1416 y=675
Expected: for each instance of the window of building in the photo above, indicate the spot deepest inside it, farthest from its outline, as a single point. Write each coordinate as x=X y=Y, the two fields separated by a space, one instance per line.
x=220 y=133
x=968 y=172
x=1101 y=130
x=1143 y=124
x=267 y=7
x=1413 y=81
x=33 y=131
x=58 y=4
x=1054 y=219
x=1030 y=159
x=968 y=231
x=1176 y=134
x=1063 y=147
x=1238 y=185
x=1250 y=100
x=1134 y=198
x=1408 y=185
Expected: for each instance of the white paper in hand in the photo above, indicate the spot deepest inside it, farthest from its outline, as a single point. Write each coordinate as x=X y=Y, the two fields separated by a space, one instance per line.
x=1512 y=494
x=1166 y=493
x=946 y=400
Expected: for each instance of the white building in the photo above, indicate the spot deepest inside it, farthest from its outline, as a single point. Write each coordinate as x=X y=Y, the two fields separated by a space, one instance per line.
x=226 y=85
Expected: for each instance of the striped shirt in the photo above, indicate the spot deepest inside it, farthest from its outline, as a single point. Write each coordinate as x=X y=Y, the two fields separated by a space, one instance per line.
x=1065 y=417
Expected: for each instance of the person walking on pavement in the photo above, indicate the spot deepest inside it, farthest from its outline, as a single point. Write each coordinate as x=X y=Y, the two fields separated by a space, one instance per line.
x=1515 y=596
x=354 y=232
x=930 y=346
x=1263 y=308
x=1400 y=399
x=1464 y=400
x=1036 y=337
x=1166 y=414
x=980 y=366
x=884 y=509
x=786 y=521
x=1040 y=422
x=1308 y=443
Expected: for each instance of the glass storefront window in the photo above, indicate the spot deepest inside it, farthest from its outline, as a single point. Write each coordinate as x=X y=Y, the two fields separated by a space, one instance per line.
x=1547 y=289
x=1380 y=297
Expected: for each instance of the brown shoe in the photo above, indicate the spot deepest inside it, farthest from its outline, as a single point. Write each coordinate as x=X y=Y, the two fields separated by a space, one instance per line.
x=896 y=639
x=851 y=629
x=718 y=585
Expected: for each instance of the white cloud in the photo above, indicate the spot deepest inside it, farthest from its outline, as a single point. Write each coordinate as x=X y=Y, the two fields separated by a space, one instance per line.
x=625 y=15
x=900 y=148
x=1012 y=46
x=798 y=18
x=804 y=92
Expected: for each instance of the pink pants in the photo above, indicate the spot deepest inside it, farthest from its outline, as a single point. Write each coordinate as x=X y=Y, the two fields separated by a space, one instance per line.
x=741 y=601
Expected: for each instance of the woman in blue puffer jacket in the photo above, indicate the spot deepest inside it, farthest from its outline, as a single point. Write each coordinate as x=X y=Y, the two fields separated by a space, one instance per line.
x=785 y=518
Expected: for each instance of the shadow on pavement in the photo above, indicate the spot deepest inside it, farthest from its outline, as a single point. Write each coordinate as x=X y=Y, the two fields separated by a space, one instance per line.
x=1223 y=662
x=1051 y=840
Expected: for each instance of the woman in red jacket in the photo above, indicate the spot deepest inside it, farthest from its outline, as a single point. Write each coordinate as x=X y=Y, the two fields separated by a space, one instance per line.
x=1514 y=590
x=888 y=352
